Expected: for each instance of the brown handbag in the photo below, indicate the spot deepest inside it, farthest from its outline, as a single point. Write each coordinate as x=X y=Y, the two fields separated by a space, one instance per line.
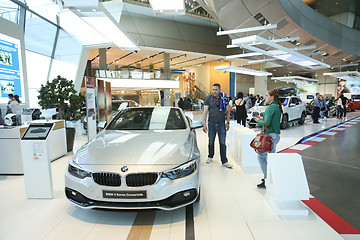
x=262 y=142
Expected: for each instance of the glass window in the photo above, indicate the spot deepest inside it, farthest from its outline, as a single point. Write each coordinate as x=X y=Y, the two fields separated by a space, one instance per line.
x=263 y=103
x=294 y=101
x=9 y=10
x=284 y=101
x=45 y=8
x=39 y=34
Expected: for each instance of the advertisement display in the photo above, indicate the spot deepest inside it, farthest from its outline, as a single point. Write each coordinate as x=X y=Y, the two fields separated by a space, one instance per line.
x=307 y=87
x=348 y=86
x=11 y=72
x=101 y=100
x=90 y=106
x=108 y=101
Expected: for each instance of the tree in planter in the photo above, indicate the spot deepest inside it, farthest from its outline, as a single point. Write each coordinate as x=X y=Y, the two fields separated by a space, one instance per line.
x=60 y=93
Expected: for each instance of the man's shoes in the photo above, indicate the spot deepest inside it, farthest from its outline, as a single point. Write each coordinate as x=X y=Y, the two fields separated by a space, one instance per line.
x=228 y=165
x=209 y=160
x=262 y=184
x=316 y=122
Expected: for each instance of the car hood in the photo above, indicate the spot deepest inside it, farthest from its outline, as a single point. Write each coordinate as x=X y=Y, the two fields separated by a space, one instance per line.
x=258 y=109
x=171 y=147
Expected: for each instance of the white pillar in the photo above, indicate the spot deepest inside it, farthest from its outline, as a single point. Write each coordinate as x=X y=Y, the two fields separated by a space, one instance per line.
x=260 y=85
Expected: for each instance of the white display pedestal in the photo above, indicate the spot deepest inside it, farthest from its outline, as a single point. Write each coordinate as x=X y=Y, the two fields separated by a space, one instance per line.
x=10 y=160
x=240 y=150
x=36 y=161
x=286 y=184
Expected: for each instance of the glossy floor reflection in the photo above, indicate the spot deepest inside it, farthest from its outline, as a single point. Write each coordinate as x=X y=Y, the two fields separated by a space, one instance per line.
x=231 y=207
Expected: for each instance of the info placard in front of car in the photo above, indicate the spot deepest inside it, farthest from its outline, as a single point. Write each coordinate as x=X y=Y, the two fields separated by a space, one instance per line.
x=124 y=194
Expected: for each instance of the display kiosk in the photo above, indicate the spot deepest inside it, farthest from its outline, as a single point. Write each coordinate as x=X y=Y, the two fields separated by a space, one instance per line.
x=36 y=160
x=10 y=145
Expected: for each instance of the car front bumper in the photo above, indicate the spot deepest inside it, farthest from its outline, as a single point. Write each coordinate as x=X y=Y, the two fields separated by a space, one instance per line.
x=165 y=194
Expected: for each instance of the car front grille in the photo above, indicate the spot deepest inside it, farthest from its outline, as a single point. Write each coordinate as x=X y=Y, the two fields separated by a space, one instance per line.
x=107 y=179
x=257 y=114
x=141 y=179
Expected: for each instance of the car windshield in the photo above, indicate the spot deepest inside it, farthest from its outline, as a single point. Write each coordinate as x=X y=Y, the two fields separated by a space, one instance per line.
x=148 y=119
x=284 y=101
x=117 y=106
x=263 y=103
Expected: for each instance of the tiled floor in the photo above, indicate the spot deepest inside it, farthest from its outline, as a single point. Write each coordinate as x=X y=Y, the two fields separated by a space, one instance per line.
x=231 y=207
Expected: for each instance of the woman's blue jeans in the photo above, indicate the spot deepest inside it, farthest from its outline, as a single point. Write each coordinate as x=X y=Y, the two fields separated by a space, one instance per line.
x=262 y=156
x=213 y=129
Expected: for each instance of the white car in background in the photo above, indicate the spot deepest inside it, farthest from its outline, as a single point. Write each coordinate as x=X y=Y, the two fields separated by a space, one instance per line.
x=147 y=157
x=293 y=110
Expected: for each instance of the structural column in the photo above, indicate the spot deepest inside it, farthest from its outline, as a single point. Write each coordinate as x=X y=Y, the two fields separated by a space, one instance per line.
x=260 y=85
x=167 y=76
x=102 y=59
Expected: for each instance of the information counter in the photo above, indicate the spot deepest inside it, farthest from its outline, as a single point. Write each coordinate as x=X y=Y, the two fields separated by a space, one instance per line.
x=10 y=147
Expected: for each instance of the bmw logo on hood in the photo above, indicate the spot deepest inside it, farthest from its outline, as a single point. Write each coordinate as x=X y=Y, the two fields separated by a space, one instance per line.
x=124 y=169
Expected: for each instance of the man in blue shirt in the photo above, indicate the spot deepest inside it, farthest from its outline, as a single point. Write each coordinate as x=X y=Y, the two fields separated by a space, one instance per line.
x=317 y=106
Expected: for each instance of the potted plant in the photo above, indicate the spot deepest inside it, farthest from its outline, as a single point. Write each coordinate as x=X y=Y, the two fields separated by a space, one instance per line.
x=60 y=93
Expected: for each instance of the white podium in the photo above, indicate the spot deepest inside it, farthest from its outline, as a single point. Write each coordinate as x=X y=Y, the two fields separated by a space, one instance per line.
x=36 y=160
x=286 y=184
x=239 y=148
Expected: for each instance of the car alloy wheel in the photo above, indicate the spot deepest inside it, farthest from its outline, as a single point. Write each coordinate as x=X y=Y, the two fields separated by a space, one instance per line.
x=302 y=119
x=284 y=122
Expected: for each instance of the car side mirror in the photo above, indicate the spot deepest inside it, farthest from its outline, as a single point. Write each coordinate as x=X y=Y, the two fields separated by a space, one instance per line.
x=196 y=125
x=292 y=105
x=102 y=125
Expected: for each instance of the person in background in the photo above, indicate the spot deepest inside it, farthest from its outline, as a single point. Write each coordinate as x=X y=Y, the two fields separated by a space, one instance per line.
x=11 y=98
x=253 y=100
x=344 y=101
x=201 y=103
x=217 y=107
x=262 y=98
x=258 y=100
x=248 y=102
x=240 y=109
x=272 y=117
x=181 y=104
x=340 y=108
x=15 y=105
x=186 y=103
x=323 y=107
x=231 y=104
x=316 y=112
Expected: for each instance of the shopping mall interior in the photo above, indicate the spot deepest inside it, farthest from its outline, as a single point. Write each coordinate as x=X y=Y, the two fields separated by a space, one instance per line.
x=106 y=110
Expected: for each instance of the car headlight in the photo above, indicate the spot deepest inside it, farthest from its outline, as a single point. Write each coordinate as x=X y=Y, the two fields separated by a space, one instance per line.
x=181 y=171
x=76 y=171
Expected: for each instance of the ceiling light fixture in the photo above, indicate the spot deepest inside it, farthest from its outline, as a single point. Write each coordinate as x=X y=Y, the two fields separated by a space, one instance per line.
x=273 y=40
x=246 y=71
x=295 y=79
x=289 y=55
x=348 y=75
x=251 y=29
x=167 y=7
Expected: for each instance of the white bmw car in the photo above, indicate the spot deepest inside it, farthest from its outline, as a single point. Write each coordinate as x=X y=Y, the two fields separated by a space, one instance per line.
x=147 y=157
x=293 y=110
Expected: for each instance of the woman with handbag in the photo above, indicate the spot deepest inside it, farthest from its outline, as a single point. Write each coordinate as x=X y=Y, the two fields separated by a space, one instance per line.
x=271 y=126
